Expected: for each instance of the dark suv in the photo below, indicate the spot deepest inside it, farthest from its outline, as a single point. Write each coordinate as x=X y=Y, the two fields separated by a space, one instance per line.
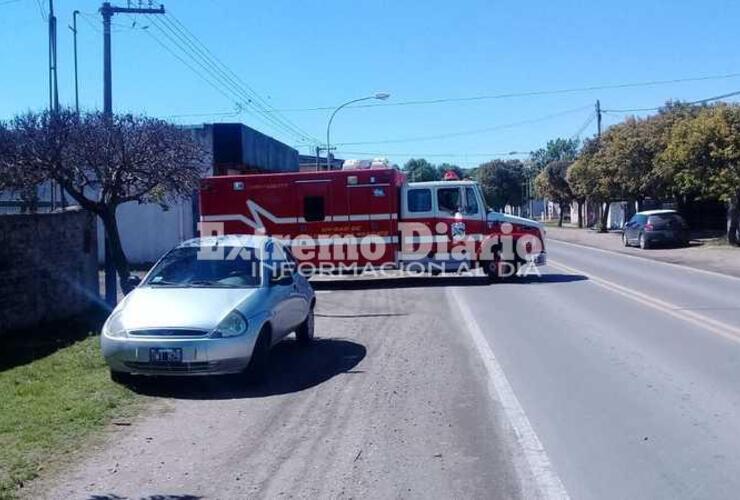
x=652 y=227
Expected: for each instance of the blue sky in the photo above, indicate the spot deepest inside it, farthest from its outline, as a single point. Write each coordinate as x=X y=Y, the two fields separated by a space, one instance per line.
x=304 y=54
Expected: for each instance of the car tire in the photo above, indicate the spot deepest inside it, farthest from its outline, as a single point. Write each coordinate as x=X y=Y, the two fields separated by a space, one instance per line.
x=625 y=240
x=305 y=332
x=122 y=378
x=644 y=244
x=256 y=370
x=490 y=267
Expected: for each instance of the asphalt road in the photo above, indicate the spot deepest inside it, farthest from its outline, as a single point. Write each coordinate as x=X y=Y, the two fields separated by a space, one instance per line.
x=607 y=377
x=627 y=370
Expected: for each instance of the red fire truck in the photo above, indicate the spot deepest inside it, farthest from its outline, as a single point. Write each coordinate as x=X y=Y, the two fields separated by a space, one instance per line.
x=360 y=218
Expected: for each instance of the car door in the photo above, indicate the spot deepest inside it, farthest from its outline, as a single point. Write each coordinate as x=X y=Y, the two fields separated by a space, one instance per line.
x=278 y=295
x=634 y=226
x=293 y=307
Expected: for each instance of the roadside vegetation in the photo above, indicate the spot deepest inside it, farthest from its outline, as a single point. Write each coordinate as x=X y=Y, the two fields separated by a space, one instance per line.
x=51 y=406
x=101 y=162
x=683 y=153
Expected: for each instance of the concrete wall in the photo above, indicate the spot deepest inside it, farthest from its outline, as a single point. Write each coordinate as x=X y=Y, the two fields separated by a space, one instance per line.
x=48 y=267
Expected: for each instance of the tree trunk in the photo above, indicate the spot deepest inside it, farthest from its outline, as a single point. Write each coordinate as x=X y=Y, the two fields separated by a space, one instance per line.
x=604 y=216
x=562 y=214
x=114 y=240
x=733 y=220
x=580 y=213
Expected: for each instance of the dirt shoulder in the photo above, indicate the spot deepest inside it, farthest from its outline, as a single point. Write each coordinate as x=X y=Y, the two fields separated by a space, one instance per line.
x=704 y=255
x=391 y=401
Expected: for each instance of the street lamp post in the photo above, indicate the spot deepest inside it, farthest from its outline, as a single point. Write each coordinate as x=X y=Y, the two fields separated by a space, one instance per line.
x=379 y=95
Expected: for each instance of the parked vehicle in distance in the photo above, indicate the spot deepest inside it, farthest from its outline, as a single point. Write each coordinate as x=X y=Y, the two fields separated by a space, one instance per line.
x=213 y=305
x=654 y=227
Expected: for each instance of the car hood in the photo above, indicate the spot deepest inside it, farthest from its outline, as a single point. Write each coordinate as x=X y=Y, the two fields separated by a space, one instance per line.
x=198 y=308
x=513 y=219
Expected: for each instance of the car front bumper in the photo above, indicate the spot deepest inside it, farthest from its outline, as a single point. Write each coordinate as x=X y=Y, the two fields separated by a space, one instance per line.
x=201 y=356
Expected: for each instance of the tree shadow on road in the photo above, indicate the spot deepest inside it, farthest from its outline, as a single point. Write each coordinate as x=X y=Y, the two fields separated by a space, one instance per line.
x=293 y=368
x=439 y=281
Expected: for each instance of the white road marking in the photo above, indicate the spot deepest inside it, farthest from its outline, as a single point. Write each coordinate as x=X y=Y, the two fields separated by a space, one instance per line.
x=547 y=481
x=717 y=327
x=680 y=266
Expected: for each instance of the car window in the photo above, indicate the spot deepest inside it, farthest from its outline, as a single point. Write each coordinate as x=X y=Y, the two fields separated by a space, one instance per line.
x=666 y=220
x=234 y=267
x=419 y=200
x=448 y=200
x=471 y=202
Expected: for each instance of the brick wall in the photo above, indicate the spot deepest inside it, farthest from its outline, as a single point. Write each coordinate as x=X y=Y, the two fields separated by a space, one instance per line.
x=48 y=267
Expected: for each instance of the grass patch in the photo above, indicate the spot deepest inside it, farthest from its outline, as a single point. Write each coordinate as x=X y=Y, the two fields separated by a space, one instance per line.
x=48 y=407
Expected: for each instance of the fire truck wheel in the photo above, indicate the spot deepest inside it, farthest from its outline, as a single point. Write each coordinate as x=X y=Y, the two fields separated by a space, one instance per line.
x=490 y=267
x=304 y=333
x=256 y=370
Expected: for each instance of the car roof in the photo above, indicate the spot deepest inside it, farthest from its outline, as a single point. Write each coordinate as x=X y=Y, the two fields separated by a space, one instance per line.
x=228 y=240
x=658 y=212
x=441 y=183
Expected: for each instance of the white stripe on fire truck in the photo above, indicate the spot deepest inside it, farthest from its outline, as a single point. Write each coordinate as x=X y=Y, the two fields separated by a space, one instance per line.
x=296 y=220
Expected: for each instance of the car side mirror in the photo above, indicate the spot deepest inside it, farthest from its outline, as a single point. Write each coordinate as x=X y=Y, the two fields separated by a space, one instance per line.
x=279 y=278
x=133 y=281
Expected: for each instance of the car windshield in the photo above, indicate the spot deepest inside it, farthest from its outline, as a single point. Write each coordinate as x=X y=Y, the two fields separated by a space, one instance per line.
x=198 y=267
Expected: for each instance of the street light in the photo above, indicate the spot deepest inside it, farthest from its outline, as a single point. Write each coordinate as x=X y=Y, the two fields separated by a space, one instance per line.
x=382 y=96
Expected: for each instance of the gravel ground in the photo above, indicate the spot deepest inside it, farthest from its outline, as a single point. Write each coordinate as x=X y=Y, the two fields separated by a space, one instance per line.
x=390 y=402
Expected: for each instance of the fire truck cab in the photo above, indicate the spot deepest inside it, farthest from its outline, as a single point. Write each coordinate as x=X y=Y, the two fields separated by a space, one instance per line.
x=372 y=217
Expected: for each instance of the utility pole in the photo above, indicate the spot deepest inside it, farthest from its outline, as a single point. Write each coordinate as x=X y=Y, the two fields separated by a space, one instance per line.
x=74 y=31
x=598 y=119
x=107 y=11
x=53 y=90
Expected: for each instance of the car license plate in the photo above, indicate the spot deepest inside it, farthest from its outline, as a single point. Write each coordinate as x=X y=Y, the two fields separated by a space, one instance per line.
x=165 y=355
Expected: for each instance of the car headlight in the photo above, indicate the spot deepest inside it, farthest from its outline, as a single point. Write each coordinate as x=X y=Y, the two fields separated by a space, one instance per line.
x=232 y=325
x=113 y=326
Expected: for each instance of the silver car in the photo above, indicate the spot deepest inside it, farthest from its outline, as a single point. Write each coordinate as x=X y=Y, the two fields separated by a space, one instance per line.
x=211 y=305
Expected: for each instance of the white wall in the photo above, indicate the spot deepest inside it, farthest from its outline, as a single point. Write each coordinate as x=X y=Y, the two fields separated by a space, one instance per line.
x=147 y=231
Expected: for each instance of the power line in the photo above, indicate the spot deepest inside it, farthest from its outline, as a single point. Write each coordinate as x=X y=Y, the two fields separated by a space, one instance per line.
x=196 y=51
x=467 y=132
x=700 y=101
x=256 y=97
x=652 y=83
x=585 y=125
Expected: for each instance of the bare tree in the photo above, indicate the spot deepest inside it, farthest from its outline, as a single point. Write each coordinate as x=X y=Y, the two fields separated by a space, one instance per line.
x=103 y=162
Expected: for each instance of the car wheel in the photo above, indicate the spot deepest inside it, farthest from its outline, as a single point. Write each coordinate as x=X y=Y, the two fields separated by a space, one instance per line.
x=256 y=370
x=625 y=240
x=122 y=378
x=304 y=334
x=643 y=242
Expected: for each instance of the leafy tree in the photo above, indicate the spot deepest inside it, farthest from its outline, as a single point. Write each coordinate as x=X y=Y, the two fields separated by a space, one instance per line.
x=702 y=157
x=555 y=150
x=103 y=162
x=420 y=170
x=553 y=184
x=501 y=182
x=445 y=167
